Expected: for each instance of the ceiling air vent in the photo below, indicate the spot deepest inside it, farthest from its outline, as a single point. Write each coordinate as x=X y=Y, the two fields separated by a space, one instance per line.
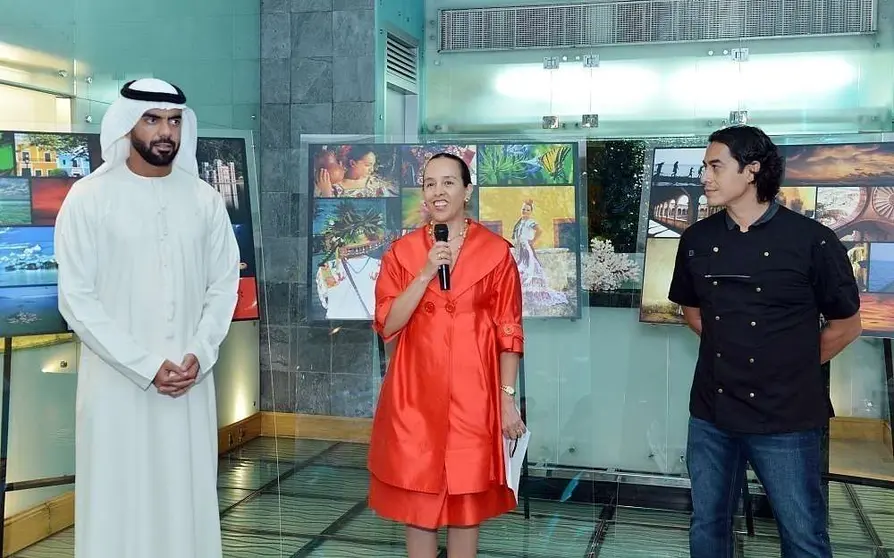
x=626 y=22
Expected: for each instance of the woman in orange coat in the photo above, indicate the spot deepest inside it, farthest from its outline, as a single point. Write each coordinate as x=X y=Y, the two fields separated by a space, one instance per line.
x=447 y=401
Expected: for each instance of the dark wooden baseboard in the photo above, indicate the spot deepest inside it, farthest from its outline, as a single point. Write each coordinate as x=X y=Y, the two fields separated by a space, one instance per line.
x=317 y=427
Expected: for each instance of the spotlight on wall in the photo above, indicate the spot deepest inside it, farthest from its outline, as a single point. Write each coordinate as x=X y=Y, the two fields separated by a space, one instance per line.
x=738 y=117
x=550 y=122
x=60 y=367
x=589 y=121
x=551 y=63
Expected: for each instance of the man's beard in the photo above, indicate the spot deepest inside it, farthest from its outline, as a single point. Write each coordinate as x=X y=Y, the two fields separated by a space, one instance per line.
x=155 y=159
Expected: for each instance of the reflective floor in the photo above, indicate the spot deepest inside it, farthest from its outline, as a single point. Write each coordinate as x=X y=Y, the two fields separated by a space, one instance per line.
x=310 y=502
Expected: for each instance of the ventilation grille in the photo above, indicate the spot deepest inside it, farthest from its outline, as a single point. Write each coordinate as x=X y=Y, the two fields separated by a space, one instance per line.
x=650 y=21
x=401 y=60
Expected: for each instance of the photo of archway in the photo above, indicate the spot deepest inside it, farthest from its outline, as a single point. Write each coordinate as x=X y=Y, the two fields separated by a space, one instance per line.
x=673 y=209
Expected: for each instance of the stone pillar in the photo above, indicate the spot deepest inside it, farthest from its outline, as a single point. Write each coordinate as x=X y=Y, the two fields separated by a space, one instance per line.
x=317 y=77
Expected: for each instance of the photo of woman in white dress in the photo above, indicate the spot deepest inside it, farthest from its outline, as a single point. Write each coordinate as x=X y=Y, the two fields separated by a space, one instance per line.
x=535 y=287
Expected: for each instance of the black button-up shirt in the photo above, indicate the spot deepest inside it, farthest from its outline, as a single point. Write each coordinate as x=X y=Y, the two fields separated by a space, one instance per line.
x=761 y=294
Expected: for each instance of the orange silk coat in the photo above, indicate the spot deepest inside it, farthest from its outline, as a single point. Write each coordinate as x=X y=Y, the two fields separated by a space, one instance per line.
x=449 y=349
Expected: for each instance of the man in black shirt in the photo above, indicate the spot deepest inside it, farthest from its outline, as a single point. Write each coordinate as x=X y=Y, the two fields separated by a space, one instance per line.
x=754 y=282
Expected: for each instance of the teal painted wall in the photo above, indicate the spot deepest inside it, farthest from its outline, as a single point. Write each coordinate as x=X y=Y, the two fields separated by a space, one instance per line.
x=210 y=48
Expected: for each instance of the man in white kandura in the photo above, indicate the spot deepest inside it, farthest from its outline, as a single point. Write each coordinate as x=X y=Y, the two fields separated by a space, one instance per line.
x=148 y=279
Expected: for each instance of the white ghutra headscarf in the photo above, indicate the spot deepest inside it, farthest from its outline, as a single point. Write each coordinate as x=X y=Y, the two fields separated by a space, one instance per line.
x=136 y=98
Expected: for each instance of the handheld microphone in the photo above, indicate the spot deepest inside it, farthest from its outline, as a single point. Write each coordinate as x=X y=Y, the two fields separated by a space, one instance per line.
x=441 y=234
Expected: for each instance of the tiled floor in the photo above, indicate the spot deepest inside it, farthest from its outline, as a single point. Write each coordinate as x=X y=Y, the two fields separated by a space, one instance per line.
x=310 y=502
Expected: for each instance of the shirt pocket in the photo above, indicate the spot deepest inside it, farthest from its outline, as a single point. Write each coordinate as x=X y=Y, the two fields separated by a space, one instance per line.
x=698 y=267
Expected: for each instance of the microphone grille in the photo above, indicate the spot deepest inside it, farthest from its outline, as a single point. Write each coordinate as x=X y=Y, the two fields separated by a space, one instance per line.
x=441 y=232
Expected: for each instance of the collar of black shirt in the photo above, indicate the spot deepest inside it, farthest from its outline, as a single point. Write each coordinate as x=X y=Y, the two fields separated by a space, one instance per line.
x=768 y=214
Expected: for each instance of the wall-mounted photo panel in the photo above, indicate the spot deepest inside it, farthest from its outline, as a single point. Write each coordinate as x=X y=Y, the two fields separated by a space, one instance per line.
x=37 y=171
x=877 y=314
x=246 y=250
x=848 y=188
x=525 y=192
x=857 y=213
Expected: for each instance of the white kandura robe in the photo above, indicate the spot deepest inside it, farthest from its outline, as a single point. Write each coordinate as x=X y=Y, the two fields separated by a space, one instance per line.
x=148 y=271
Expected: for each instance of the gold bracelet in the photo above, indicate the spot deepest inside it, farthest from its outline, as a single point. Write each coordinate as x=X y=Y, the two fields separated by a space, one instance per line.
x=508 y=390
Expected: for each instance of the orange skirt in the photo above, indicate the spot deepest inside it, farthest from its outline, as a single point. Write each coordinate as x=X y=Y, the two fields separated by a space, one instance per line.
x=432 y=511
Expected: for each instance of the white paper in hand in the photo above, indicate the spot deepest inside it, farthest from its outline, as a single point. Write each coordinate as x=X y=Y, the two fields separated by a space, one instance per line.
x=513 y=459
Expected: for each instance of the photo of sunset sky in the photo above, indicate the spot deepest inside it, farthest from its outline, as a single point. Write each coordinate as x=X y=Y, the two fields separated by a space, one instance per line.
x=867 y=164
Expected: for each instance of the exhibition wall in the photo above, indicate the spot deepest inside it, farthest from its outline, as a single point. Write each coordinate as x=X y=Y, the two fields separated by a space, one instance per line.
x=603 y=388
x=37 y=170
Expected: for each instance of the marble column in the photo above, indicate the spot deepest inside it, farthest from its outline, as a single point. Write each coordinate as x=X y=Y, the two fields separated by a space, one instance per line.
x=317 y=77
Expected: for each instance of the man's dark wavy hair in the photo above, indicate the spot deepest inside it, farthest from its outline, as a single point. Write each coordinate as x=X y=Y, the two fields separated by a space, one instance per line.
x=748 y=144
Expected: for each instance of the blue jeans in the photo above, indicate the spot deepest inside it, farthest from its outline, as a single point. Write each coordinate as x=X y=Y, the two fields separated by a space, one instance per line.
x=789 y=468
